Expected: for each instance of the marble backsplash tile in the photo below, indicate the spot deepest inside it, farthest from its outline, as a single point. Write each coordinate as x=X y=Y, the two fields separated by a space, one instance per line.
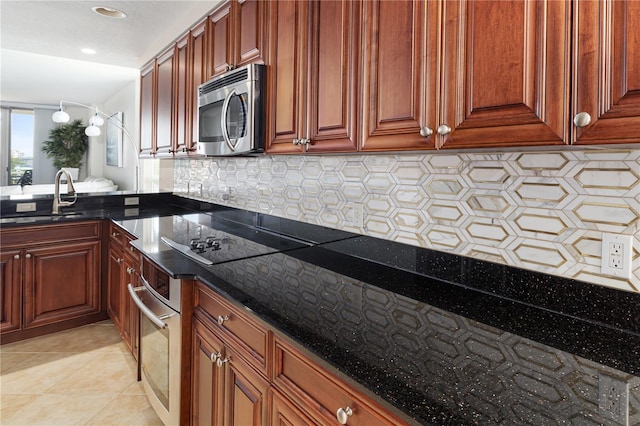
x=541 y=211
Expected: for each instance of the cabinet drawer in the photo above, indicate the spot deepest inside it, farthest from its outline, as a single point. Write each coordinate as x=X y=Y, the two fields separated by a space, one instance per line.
x=323 y=394
x=235 y=326
x=71 y=231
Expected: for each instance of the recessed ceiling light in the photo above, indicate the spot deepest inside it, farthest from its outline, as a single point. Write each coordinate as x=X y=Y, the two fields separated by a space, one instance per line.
x=109 y=12
x=88 y=51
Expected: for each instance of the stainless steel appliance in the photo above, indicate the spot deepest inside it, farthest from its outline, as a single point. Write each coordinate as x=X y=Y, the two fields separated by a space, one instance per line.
x=160 y=340
x=231 y=113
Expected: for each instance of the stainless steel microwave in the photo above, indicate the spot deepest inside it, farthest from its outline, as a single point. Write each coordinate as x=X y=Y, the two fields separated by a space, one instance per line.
x=231 y=113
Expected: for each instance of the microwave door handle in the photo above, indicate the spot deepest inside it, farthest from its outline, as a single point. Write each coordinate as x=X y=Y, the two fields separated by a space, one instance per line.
x=143 y=308
x=223 y=119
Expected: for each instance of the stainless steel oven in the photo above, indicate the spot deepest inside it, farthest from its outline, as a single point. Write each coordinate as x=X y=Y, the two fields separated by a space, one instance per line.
x=160 y=339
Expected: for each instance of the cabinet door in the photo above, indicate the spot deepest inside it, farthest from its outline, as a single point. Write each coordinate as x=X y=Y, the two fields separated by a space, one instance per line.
x=287 y=75
x=129 y=275
x=399 y=75
x=245 y=393
x=147 y=110
x=10 y=290
x=249 y=32
x=165 y=103
x=284 y=412
x=607 y=71
x=207 y=379
x=114 y=291
x=199 y=72
x=184 y=95
x=333 y=86
x=221 y=39
x=61 y=282
x=505 y=78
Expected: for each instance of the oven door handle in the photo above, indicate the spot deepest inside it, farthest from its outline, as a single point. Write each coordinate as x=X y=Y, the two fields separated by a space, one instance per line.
x=144 y=308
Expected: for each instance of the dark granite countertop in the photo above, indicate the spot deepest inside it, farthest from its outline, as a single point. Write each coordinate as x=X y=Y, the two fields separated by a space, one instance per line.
x=442 y=338
x=408 y=326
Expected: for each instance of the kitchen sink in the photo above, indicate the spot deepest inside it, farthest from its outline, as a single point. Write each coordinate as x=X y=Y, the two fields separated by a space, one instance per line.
x=41 y=218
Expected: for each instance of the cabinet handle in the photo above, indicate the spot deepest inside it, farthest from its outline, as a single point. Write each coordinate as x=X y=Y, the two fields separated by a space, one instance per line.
x=16 y=256
x=296 y=142
x=214 y=357
x=220 y=362
x=222 y=319
x=119 y=260
x=28 y=256
x=130 y=270
x=343 y=415
x=443 y=130
x=229 y=67
x=426 y=132
x=582 y=119
x=115 y=234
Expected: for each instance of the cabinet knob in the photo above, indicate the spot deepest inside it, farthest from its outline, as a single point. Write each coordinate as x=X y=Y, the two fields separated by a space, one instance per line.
x=220 y=362
x=343 y=415
x=296 y=142
x=443 y=130
x=130 y=270
x=16 y=256
x=28 y=256
x=222 y=319
x=426 y=132
x=214 y=357
x=229 y=67
x=115 y=234
x=119 y=260
x=582 y=119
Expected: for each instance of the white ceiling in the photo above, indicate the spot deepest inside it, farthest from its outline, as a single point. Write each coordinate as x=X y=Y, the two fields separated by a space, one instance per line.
x=40 y=57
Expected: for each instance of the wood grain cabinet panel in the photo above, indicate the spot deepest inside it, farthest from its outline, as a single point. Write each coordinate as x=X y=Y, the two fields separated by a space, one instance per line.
x=10 y=291
x=234 y=326
x=165 y=103
x=207 y=379
x=123 y=268
x=606 y=76
x=51 y=278
x=505 y=79
x=321 y=394
x=198 y=70
x=183 y=96
x=147 y=110
x=399 y=76
x=61 y=282
x=312 y=76
x=237 y=35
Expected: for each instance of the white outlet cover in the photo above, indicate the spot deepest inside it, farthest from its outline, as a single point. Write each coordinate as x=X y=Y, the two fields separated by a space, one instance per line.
x=627 y=249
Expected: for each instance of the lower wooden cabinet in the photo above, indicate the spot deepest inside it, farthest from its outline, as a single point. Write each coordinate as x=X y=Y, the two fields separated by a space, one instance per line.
x=225 y=389
x=123 y=268
x=11 y=291
x=229 y=385
x=51 y=278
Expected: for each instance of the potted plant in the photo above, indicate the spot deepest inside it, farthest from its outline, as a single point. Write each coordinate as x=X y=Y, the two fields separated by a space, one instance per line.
x=67 y=146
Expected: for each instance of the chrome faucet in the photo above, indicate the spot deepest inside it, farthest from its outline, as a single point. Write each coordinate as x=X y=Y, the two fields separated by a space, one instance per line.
x=57 y=200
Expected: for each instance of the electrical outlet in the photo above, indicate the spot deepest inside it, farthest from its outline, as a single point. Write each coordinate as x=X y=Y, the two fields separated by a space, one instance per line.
x=613 y=399
x=354 y=214
x=616 y=255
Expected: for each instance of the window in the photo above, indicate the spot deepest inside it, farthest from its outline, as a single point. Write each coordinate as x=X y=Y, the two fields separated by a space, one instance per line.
x=21 y=147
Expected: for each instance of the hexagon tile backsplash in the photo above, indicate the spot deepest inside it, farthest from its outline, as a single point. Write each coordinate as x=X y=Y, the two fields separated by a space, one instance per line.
x=543 y=211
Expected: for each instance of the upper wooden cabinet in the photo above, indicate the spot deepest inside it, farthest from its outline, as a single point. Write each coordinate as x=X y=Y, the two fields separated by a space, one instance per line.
x=606 y=78
x=399 y=75
x=312 y=76
x=147 y=110
x=237 y=35
x=165 y=102
x=504 y=75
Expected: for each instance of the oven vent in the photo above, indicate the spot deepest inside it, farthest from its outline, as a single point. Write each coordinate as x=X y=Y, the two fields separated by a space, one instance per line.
x=227 y=80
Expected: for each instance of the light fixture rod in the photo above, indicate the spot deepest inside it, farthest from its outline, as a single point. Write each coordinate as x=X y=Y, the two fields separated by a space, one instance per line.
x=120 y=125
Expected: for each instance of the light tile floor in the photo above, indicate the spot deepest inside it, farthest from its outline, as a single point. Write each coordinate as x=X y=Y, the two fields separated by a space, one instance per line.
x=83 y=376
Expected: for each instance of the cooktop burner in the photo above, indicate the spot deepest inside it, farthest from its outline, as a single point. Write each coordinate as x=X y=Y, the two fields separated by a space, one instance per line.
x=207 y=239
